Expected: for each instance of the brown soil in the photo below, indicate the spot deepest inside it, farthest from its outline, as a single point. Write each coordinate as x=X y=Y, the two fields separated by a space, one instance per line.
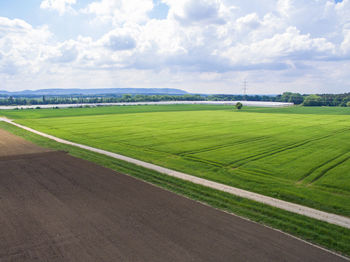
x=14 y=145
x=54 y=207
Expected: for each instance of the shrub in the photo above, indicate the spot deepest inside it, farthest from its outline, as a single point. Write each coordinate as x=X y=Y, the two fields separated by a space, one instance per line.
x=239 y=105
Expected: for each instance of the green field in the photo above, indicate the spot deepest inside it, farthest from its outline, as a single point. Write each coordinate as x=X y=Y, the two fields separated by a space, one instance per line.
x=296 y=154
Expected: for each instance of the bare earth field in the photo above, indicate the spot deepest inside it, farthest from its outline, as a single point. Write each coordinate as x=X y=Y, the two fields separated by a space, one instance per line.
x=14 y=145
x=54 y=207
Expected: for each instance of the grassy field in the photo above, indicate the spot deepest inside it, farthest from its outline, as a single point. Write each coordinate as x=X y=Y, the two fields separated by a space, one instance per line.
x=321 y=233
x=296 y=154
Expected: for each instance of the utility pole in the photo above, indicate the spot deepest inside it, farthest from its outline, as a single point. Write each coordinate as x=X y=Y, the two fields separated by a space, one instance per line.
x=245 y=88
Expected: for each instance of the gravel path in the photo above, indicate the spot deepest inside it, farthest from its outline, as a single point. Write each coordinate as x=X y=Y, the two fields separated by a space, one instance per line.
x=295 y=208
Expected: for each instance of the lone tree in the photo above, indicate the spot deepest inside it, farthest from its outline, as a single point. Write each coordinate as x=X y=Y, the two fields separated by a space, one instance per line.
x=238 y=105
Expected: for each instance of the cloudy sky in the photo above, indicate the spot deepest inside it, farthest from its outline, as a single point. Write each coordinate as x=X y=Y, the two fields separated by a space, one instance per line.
x=201 y=46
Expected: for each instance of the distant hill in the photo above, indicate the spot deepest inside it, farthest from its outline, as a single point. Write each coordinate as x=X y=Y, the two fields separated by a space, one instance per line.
x=104 y=91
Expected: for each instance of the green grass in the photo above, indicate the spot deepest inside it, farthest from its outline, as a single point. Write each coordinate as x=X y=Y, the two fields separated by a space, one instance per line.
x=104 y=110
x=297 y=154
x=324 y=110
x=321 y=233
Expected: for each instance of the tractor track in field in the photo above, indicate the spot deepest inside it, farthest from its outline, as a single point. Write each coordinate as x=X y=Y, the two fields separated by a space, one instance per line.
x=288 y=206
x=208 y=149
x=204 y=161
x=265 y=154
x=308 y=174
x=324 y=172
x=240 y=162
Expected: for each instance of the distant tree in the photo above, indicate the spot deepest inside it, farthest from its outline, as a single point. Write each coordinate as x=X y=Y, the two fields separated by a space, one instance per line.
x=126 y=98
x=313 y=100
x=290 y=97
x=296 y=98
x=348 y=104
x=239 y=105
x=285 y=97
x=11 y=101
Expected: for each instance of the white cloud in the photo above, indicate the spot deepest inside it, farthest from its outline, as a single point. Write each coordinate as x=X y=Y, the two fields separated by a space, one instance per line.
x=61 y=6
x=23 y=47
x=345 y=45
x=121 y=11
x=118 y=42
x=290 y=44
x=197 y=11
x=66 y=52
x=249 y=22
x=201 y=43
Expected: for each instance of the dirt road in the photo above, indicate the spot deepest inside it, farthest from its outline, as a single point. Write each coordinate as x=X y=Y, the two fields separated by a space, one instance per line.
x=54 y=207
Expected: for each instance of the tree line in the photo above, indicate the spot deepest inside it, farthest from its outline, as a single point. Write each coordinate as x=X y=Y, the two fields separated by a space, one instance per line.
x=296 y=98
x=53 y=100
x=316 y=99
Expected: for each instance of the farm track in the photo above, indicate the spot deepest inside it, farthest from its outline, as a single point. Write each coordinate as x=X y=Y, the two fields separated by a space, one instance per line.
x=317 y=167
x=221 y=146
x=204 y=161
x=324 y=172
x=240 y=162
x=268 y=153
x=55 y=207
x=288 y=206
x=261 y=173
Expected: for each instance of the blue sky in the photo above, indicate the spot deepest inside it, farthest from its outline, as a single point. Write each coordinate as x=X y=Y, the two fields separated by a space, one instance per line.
x=206 y=46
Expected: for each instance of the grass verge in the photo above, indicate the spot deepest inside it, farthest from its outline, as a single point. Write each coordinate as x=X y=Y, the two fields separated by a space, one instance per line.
x=320 y=233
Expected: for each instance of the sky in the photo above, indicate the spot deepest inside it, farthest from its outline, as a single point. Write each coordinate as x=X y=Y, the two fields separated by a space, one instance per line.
x=200 y=46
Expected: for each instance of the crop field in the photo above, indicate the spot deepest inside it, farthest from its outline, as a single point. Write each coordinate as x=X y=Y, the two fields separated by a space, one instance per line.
x=52 y=196
x=296 y=154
